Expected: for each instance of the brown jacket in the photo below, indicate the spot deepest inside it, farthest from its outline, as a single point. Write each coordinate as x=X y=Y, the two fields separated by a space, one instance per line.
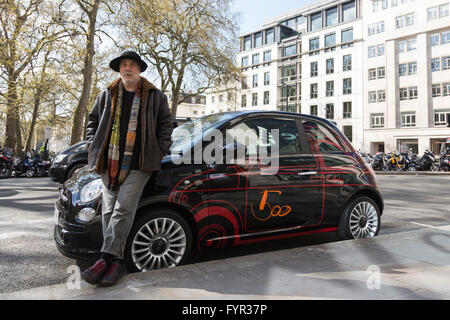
x=156 y=127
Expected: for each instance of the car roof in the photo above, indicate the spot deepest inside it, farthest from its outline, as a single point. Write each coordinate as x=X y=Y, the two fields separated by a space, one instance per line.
x=238 y=114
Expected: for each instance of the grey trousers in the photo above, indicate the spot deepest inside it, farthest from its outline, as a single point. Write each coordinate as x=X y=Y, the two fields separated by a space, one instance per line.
x=119 y=209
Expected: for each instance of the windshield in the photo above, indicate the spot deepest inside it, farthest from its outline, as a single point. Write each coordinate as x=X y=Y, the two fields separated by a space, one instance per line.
x=184 y=135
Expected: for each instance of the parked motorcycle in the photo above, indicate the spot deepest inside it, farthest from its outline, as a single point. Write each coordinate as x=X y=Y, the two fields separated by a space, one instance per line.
x=407 y=162
x=426 y=162
x=6 y=164
x=25 y=167
x=444 y=160
x=379 y=162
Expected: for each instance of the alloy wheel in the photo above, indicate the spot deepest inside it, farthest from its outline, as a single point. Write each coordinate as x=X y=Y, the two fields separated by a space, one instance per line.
x=160 y=243
x=363 y=221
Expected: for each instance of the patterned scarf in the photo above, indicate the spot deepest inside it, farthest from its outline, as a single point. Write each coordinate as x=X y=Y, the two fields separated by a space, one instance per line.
x=116 y=178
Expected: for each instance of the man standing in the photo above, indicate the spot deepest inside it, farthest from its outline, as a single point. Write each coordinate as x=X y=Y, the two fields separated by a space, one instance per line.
x=128 y=133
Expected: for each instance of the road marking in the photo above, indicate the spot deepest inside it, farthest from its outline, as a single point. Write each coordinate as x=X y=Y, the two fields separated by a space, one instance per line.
x=443 y=228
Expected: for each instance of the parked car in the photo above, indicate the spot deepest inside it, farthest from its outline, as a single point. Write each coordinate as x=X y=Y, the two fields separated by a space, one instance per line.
x=320 y=184
x=66 y=162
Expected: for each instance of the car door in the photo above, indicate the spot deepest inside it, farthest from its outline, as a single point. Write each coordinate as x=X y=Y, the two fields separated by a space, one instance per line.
x=282 y=189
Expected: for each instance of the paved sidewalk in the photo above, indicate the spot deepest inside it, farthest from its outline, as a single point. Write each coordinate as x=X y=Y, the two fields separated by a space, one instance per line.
x=412 y=265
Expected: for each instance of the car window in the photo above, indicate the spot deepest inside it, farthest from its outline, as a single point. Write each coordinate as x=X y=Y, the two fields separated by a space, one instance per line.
x=255 y=133
x=320 y=138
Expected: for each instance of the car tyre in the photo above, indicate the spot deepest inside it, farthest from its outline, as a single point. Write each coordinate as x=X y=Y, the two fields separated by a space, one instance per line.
x=360 y=219
x=159 y=239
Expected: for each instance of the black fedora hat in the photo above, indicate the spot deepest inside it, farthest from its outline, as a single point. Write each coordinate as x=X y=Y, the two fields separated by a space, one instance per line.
x=115 y=63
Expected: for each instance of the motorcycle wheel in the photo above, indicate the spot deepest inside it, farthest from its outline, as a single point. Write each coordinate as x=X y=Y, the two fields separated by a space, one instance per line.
x=29 y=173
x=412 y=169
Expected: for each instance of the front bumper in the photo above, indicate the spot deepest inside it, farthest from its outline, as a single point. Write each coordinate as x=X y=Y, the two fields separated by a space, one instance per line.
x=73 y=239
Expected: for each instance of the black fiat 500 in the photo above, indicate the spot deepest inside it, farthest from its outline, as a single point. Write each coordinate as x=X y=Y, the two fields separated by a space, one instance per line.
x=309 y=179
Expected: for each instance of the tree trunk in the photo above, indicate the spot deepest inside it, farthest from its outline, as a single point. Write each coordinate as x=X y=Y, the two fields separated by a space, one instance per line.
x=80 y=110
x=37 y=102
x=11 y=114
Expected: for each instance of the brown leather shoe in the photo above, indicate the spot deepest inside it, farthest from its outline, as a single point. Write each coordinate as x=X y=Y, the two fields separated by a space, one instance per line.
x=115 y=272
x=93 y=274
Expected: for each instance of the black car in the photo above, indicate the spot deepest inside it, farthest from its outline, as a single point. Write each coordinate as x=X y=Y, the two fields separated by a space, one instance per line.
x=318 y=184
x=66 y=162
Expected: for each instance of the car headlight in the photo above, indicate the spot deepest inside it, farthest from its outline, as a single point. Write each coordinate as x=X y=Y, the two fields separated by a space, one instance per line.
x=59 y=158
x=86 y=214
x=91 y=191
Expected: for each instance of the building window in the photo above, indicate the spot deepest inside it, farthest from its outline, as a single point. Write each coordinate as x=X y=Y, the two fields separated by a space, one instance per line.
x=347 y=63
x=255 y=59
x=243 y=100
x=329 y=111
x=330 y=42
x=377 y=120
x=347 y=37
x=244 y=83
x=314 y=69
x=254 y=99
x=348 y=11
x=445 y=63
x=401 y=46
x=412 y=93
x=400 y=22
x=244 y=62
x=331 y=16
x=247 y=43
x=412 y=68
x=381 y=95
x=316 y=21
x=266 y=97
x=435 y=64
x=347 y=110
x=258 y=39
x=408 y=119
x=372 y=96
x=435 y=39
x=330 y=66
x=330 y=88
x=380 y=27
x=443 y=10
x=446 y=89
x=412 y=44
x=440 y=118
x=436 y=90
x=290 y=50
x=313 y=90
x=445 y=37
x=314 y=45
x=372 y=74
x=270 y=36
x=266 y=78
x=410 y=19
x=403 y=93
x=372 y=51
x=255 y=80
x=347 y=87
x=313 y=110
x=348 y=132
x=402 y=70
x=380 y=49
x=381 y=72
x=267 y=56
x=289 y=72
x=432 y=13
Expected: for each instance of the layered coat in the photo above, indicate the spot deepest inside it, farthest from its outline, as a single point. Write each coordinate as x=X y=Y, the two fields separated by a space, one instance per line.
x=156 y=127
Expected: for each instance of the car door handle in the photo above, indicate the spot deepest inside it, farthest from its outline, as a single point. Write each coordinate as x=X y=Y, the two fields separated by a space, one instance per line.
x=307 y=173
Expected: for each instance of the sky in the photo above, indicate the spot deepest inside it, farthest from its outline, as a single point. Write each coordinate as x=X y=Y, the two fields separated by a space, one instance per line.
x=255 y=12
